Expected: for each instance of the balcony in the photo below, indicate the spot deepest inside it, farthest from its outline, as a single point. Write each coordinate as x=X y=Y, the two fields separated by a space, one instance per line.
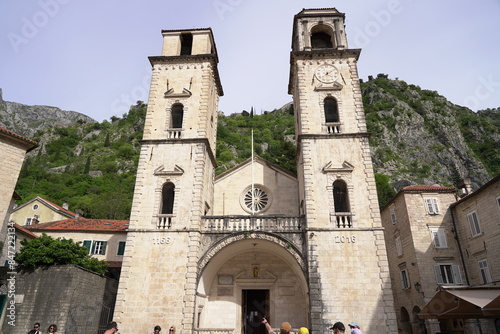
x=342 y=219
x=333 y=127
x=271 y=223
x=164 y=221
x=173 y=133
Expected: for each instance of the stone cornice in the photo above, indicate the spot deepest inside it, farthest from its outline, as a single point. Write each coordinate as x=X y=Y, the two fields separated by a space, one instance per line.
x=204 y=141
x=212 y=58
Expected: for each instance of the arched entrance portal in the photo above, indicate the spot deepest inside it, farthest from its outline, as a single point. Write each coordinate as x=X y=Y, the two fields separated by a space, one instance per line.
x=246 y=279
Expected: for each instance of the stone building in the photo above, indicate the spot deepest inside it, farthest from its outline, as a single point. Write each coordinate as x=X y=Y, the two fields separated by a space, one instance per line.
x=422 y=251
x=216 y=254
x=443 y=258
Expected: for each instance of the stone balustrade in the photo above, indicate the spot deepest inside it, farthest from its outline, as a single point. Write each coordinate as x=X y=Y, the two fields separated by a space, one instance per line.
x=272 y=223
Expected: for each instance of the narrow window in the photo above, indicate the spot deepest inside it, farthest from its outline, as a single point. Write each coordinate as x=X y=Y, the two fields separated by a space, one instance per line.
x=447 y=274
x=321 y=40
x=484 y=271
x=121 y=248
x=439 y=237
x=177 y=115
x=167 y=193
x=405 y=279
x=88 y=244
x=474 y=223
x=432 y=206
x=340 y=196
x=399 y=246
x=331 y=110
x=186 y=44
x=392 y=211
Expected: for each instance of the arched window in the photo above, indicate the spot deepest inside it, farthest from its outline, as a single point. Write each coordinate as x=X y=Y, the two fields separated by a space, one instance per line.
x=167 y=199
x=321 y=37
x=177 y=115
x=340 y=196
x=331 y=110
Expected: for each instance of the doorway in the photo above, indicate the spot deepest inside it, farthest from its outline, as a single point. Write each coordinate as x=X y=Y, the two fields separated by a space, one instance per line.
x=255 y=307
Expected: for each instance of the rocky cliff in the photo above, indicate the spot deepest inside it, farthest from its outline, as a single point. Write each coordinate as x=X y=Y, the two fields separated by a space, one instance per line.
x=419 y=137
x=27 y=120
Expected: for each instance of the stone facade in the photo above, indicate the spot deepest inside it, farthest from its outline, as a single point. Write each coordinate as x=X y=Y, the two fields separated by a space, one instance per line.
x=68 y=296
x=13 y=148
x=429 y=237
x=411 y=248
x=215 y=255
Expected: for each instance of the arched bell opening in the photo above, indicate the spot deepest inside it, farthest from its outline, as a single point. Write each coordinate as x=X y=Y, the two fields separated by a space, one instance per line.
x=322 y=37
x=247 y=279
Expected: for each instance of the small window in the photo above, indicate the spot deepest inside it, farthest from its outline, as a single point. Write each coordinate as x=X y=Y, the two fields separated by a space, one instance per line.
x=474 y=223
x=447 y=274
x=121 y=248
x=438 y=235
x=331 y=110
x=28 y=221
x=186 y=44
x=88 y=244
x=99 y=248
x=484 y=271
x=399 y=246
x=35 y=207
x=177 y=116
x=392 y=212
x=168 y=193
x=340 y=196
x=405 y=279
x=432 y=206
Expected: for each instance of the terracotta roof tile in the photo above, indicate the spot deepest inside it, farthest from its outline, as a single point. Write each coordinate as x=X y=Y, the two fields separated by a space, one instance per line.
x=24 y=231
x=82 y=224
x=15 y=135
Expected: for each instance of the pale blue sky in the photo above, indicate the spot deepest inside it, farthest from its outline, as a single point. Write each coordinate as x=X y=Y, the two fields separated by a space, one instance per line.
x=92 y=56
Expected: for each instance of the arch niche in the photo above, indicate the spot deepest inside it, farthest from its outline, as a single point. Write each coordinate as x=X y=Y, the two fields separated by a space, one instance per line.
x=241 y=265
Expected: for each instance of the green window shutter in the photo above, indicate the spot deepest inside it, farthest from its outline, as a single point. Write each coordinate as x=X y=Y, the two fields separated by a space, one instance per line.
x=87 y=243
x=121 y=248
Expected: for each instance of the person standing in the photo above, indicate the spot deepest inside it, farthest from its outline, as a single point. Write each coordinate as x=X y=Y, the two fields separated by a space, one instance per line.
x=338 y=328
x=52 y=329
x=111 y=328
x=355 y=327
x=36 y=329
x=156 y=330
x=284 y=328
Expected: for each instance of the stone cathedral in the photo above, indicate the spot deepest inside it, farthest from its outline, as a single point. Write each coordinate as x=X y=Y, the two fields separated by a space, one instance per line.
x=214 y=254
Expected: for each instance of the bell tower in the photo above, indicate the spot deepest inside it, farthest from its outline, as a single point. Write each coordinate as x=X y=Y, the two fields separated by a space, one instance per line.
x=174 y=186
x=347 y=257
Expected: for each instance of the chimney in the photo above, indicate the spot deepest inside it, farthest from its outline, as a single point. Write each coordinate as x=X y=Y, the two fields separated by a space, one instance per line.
x=65 y=206
x=465 y=187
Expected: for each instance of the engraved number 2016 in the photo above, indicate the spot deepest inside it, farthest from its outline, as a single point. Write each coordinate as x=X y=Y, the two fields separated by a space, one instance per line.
x=343 y=239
